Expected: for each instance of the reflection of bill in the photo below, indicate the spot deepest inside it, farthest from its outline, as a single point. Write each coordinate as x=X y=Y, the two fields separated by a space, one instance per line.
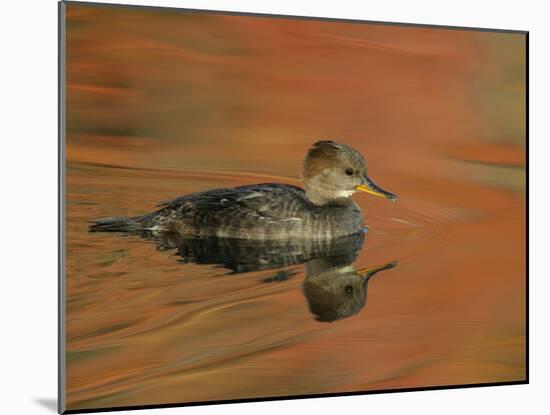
x=337 y=291
x=333 y=288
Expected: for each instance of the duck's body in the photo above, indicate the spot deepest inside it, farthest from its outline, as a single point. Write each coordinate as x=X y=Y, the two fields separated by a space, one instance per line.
x=323 y=210
x=262 y=211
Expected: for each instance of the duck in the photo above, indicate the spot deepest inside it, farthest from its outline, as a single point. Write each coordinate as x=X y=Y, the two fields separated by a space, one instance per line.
x=323 y=209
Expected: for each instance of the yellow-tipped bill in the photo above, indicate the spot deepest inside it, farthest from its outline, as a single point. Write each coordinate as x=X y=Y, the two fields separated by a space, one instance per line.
x=373 y=189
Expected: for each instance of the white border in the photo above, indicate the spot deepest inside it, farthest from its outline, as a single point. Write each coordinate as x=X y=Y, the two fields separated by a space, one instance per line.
x=29 y=189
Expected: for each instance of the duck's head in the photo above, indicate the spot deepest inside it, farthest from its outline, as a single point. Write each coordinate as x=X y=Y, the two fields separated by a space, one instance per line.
x=333 y=171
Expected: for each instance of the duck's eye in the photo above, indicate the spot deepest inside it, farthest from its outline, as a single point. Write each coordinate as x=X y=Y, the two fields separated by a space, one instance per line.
x=349 y=290
x=349 y=171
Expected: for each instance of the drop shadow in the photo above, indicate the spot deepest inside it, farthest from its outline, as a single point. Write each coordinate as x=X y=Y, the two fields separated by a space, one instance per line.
x=48 y=403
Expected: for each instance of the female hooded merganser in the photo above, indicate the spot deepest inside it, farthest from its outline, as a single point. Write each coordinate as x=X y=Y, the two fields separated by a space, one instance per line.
x=331 y=172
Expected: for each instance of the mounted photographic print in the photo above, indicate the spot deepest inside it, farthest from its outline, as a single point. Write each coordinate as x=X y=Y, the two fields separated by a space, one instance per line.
x=258 y=207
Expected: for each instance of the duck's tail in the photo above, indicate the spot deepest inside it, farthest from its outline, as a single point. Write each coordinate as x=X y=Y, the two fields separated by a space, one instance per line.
x=116 y=224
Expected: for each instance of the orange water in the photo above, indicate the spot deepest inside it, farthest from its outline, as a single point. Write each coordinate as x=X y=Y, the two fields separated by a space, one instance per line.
x=162 y=104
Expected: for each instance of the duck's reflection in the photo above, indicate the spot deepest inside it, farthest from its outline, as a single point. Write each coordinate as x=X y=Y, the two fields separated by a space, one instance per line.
x=333 y=287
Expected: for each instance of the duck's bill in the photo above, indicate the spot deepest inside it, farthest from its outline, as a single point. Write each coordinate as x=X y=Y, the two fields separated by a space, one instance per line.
x=373 y=189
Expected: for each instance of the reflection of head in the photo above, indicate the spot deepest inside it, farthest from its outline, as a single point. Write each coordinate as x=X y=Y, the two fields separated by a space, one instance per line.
x=337 y=292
